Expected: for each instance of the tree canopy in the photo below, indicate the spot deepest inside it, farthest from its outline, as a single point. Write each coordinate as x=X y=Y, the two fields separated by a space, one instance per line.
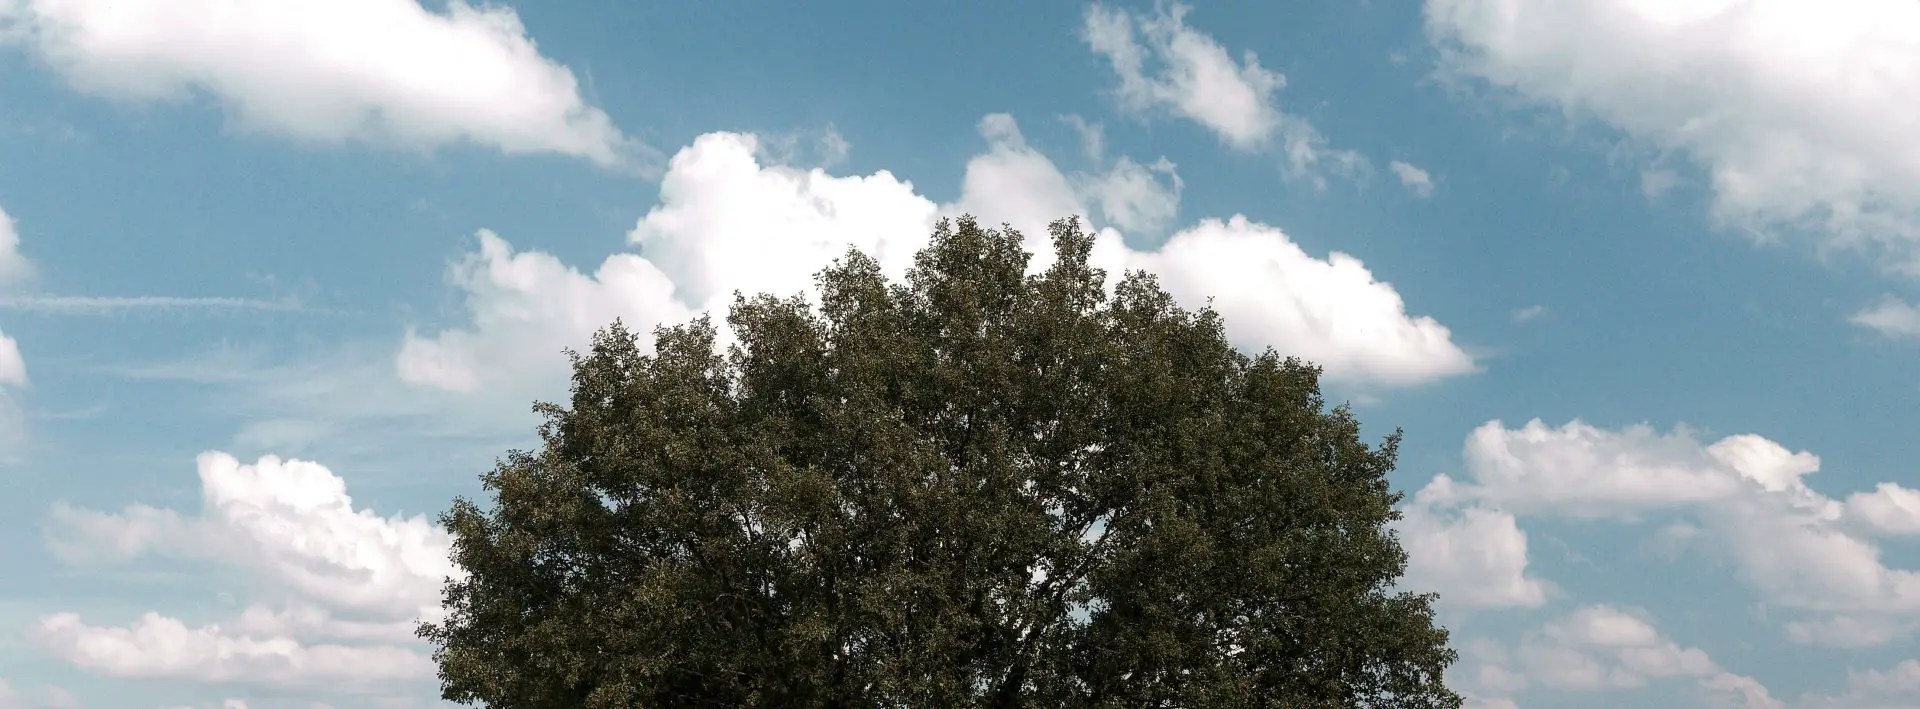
x=977 y=488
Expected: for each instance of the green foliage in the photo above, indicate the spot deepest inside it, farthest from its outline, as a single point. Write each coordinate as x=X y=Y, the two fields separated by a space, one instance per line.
x=974 y=489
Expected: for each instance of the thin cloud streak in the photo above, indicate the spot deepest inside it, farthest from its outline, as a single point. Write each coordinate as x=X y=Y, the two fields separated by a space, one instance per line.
x=107 y=305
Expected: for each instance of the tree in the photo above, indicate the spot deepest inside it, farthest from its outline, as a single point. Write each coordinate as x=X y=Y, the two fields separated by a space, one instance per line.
x=975 y=489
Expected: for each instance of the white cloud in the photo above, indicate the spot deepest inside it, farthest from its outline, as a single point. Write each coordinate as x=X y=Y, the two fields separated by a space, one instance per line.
x=1602 y=647
x=1798 y=113
x=109 y=305
x=726 y=221
x=1486 y=703
x=1413 y=178
x=1164 y=66
x=14 y=270
x=1749 y=498
x=822 y=148
x=292 y=524
x=389 y=71
x=1892 y=688
x=13 y=368
x=13 y=375
x=159 y=647
x=526 y=306
x=1851 y=630
x=1892 y=317
x=1484 y=675
x=1198 y=79
x=1014 y=183
x=1473 y=556
x=14 y=267
x=1332 y=311
x=1529 y=313
x=48 y=697
x=1132 y=198
x=81 y=536
x=1654 y=183
x=1583 y=470
x=1093 y=138
x=1889 y=509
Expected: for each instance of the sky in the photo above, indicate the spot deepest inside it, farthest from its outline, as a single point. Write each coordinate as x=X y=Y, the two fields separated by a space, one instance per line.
x=1637 y=278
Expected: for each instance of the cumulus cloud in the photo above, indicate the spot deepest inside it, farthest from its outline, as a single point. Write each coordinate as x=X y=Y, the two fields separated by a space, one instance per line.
x=1890 y=509
x=1473 y=556
x=1891 y=317
x=1583 y=470
x=1598 y=648
x=344 y=574
x=1799 y=115
x=1413 y=178
x=1166 y=67
x=523 y=305
x=1014 y=183
x=1604 y=647
x=388 y=71
x=1746 y=497
x=1332 y=311
x=720 y=203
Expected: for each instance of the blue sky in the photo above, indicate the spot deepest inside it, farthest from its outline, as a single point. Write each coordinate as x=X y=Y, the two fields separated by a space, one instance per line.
x=1637 y=278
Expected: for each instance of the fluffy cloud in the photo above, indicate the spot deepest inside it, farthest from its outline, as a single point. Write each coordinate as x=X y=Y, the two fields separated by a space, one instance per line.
x=1197 y=78
x=346 y=575
x=1586 y=471
x=1603 y=647
x=523 y=305
x=1332 y=311
x=390 y=71
x=1413 y=178
x=1473 y=556
x=1597 y=648
x=1799 y=114
x=1890 y=509
x=1891 y=317
x=718 y=202
x=1801 y=550
x=1131 y=196
x=1164 y=66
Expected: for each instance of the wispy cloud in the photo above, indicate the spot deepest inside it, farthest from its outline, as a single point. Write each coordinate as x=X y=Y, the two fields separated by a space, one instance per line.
x=1416 y=180
x=1531 y=312
x=107 y=305
x=1893 y=317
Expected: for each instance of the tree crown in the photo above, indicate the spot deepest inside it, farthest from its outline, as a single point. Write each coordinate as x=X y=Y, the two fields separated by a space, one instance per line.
x=975 y=488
